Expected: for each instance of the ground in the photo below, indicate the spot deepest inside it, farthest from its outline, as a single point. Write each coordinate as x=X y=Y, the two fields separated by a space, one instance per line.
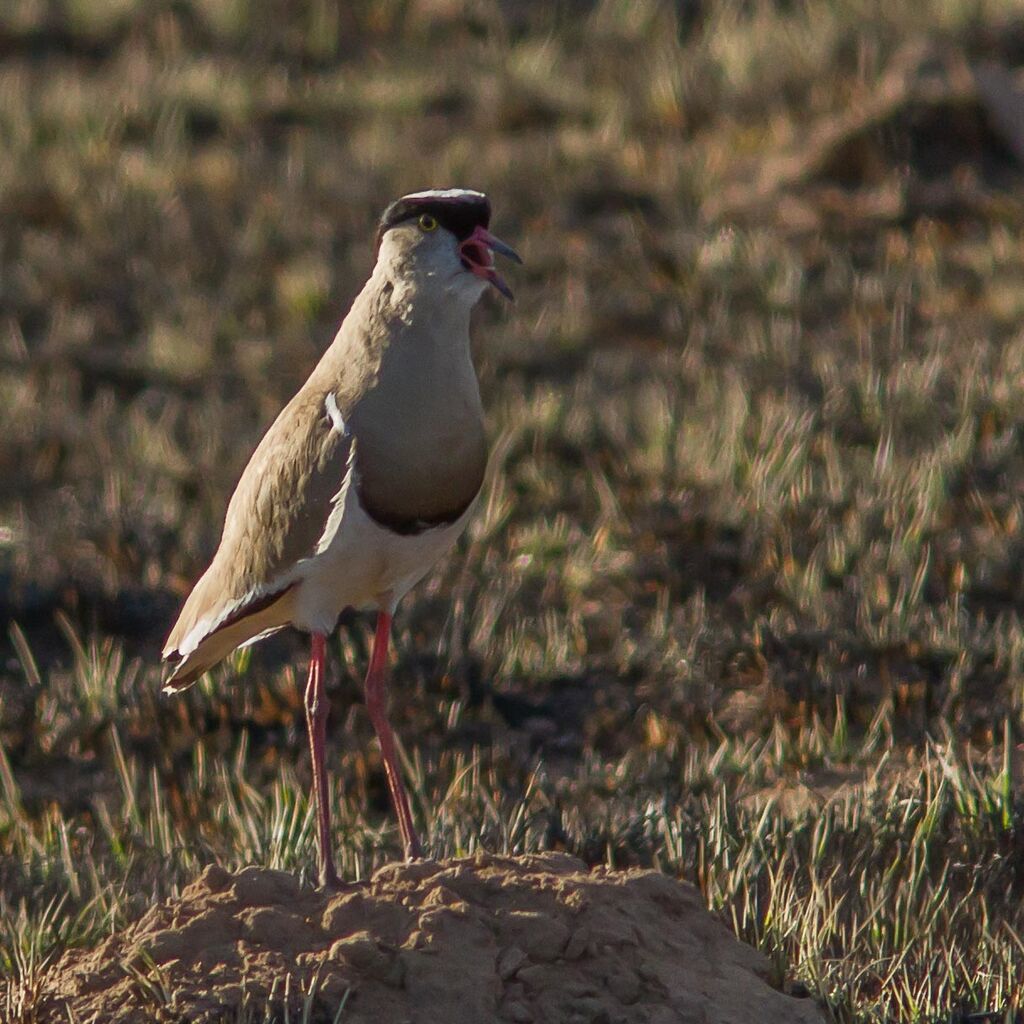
x=535 y=938
x=742 y=600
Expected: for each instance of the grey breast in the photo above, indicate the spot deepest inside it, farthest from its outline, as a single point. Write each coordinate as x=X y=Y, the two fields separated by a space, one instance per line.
x=421 y=450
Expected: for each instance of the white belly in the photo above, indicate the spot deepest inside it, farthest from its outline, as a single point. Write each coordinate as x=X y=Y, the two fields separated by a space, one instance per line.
x=365 y=565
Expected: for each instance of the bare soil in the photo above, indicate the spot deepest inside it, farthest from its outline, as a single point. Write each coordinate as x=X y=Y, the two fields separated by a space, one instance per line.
x=526 y=939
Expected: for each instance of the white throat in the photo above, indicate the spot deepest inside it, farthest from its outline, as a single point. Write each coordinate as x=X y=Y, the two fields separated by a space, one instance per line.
x=444 y=295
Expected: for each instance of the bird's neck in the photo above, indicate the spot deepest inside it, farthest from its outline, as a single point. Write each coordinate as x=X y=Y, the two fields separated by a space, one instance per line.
x=426 y=298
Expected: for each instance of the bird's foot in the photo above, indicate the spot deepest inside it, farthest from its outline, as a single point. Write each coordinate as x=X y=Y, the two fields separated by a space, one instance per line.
x=330 y=882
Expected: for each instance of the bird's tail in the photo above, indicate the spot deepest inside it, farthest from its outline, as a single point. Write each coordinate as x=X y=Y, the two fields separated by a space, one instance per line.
x=243 y=627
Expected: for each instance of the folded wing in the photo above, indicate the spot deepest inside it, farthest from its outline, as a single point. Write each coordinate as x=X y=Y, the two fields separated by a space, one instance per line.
x=290 y=494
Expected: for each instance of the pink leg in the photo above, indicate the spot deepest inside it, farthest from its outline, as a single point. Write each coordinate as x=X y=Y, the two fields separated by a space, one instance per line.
x=376 y=704
x=316 y=720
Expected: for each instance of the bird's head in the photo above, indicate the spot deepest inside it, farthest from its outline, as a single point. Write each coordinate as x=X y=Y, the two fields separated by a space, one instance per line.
x=440 y=237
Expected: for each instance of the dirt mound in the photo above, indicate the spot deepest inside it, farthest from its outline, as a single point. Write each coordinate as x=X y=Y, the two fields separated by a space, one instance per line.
x=537 y=938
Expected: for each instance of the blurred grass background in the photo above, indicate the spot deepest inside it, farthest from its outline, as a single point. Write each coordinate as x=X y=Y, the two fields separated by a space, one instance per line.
x=743 y=598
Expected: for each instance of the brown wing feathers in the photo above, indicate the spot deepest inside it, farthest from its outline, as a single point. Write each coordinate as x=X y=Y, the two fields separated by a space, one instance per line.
x=274 y=520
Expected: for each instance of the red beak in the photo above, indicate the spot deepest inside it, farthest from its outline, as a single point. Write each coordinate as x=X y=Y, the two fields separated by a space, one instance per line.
x=476 y=256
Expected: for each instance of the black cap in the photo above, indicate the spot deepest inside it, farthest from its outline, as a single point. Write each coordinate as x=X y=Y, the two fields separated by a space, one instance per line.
x=459 y=210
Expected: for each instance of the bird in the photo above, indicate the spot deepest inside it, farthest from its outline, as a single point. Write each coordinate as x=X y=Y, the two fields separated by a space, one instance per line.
x=364 y=480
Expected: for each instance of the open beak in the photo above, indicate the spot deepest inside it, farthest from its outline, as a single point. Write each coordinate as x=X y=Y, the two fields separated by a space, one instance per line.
x=476 y=256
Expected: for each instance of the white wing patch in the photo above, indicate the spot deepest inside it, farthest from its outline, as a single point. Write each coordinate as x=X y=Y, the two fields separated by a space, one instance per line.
x=446 y=193
x=261 y=636
x=331 y=405
x=338 y=503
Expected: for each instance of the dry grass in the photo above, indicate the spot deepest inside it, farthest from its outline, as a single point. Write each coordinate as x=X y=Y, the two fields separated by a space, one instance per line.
x=744 y=598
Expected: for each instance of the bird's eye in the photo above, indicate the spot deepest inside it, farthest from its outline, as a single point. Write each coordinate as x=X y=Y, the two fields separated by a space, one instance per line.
x=427 y=223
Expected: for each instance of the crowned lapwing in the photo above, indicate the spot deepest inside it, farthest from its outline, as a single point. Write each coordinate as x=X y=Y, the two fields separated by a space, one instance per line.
x=365 y=479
